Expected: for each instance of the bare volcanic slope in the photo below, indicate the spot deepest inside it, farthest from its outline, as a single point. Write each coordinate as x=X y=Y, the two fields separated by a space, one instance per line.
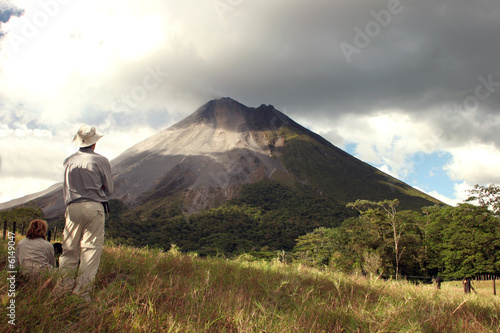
x=207 y=156
x=205 y=159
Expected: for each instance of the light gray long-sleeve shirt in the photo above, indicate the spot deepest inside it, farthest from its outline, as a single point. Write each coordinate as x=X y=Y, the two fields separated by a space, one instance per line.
x=34 y=254
x=87 y=177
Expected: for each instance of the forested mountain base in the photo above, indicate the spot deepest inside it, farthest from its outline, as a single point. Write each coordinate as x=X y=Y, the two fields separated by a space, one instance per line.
x=267 y=216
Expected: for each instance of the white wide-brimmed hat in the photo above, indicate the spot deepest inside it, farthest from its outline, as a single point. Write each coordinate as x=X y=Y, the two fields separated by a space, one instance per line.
x=86 y=136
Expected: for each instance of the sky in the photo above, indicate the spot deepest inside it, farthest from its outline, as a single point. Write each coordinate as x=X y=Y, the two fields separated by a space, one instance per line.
x=409 y=86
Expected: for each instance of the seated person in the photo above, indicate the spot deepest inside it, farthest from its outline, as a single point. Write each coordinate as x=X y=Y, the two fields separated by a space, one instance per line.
x=34 y=253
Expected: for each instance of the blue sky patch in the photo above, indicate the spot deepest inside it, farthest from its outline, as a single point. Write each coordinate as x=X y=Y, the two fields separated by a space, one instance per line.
x=430 y=174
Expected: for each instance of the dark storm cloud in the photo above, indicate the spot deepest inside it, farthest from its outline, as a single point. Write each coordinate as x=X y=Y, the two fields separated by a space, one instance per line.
x=427 y=58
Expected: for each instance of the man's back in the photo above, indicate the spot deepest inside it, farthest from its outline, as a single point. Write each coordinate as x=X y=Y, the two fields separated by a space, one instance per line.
x=87 y=177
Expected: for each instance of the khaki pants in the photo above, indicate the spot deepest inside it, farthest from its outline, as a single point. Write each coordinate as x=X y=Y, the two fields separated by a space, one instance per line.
x=83 y=240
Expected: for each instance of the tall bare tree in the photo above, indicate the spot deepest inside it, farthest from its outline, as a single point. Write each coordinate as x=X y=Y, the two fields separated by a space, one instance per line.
x=389 y=207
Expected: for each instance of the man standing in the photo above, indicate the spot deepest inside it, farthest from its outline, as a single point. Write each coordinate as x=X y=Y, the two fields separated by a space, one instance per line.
x=87 y=183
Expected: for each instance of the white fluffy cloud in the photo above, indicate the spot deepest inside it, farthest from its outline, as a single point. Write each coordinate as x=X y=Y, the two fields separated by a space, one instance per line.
x=476 y=162
x=386 y=137
x=29 y=161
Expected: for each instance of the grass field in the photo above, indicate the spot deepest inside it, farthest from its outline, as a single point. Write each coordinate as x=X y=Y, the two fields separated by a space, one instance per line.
x=148 y=290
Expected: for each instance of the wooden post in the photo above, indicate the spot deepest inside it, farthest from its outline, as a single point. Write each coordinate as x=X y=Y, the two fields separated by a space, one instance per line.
x=466 y=283
x=438 y=282
x=22 y=230
x=4 y=229
x=55 y=233
x=48 y=235
x=14 y=227
x=494 y=286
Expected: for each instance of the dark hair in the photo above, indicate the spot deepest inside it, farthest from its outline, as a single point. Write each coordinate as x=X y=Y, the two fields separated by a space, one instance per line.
x=37 y=228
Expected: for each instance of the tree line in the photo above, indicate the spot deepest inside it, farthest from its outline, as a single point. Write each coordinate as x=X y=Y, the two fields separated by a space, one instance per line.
x=376 y=238
x=266 y=217
x=450 y=242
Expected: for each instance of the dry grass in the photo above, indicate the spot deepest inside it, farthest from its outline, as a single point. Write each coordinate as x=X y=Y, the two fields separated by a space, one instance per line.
x=140 y=290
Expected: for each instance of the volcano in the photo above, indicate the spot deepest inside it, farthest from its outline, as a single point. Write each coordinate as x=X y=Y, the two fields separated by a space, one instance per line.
x=204 y=160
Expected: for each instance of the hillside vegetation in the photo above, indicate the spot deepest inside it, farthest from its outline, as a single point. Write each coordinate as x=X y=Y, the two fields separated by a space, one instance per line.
x=148 y=290
x=266 y=215
x=341 y=177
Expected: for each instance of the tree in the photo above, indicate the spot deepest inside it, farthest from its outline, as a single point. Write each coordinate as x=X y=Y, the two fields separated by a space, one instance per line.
x=24 y=214
x=316 y=247
x=372 y=263
x=367 y=242
x=413 y=256
x=486 y=196
x=431 y=226
x=389 y=207
x=340 y=248
x=357 y=236
x=463 y=241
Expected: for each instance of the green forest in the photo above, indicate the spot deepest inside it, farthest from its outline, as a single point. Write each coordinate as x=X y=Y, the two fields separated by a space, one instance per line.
x=450 y=242
x=269 y=219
